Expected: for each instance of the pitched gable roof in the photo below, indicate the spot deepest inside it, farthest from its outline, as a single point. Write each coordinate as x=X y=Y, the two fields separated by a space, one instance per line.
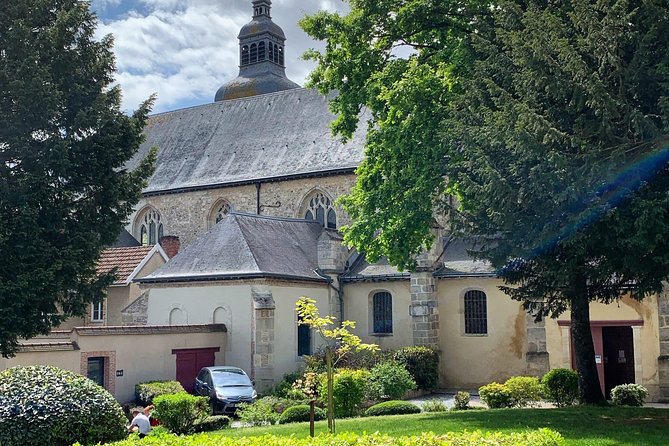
x=127 y=261
x=270 y=136
x=247 y=246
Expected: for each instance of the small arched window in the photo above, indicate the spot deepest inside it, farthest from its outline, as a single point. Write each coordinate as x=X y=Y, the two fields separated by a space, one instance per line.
x=151 y=228
x=276 y=53
x=254 y=53
x=280 y=55
x=382 y=312
x=219 y=212
x=320 y=209
x=261 y=51
x=245 y=55
x=270 y=52
x=476 y=312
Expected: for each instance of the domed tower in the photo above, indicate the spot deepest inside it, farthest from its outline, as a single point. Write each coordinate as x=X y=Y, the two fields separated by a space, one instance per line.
x=261 y=58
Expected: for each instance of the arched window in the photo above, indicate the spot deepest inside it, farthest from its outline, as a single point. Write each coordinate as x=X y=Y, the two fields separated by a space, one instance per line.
x=219 y=212
x=177 y=317
x=280 y=55
x=382 y=312
x=245 y=55
x=320 y=209
x=476 y=312
x=303 y=338
x=276 y=53
x=254 y=53
x=261 y=51
x=270 y=52
x=150 y=228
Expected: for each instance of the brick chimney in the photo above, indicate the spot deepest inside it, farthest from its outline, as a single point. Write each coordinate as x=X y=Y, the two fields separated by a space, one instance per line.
x=170 y=244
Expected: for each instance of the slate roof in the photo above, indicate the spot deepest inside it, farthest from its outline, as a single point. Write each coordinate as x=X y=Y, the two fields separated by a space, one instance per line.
x=126 y=259
x=239 y=141
x=456 y=262
x=247 y=246
x=125 y=239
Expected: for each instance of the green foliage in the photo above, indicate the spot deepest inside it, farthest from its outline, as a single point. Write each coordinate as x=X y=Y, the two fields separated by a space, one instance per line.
x=45 y=405
x=259 y=413
x=181 y=412
x=349 y=388
x=390 y=380
x=212 y=423
x=423 y=365
x=434 y=406
x=525 y=390
x=461 y=401
x=64 y=194
x=541 y=437
x=285 y=387
x=146 y=392
x=629 y=395
x=300 y=413
x=496 y=395
x=561 y=386
x=392 y=407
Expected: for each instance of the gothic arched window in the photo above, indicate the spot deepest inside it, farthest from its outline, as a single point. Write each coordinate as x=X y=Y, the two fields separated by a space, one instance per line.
x=382 y=313
x=245 y=55
x=261 y=51
x=219 y=211
x=150 y=228
x=320 y=209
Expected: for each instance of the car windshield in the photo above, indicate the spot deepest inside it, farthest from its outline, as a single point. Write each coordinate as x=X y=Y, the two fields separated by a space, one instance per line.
x=230 y=378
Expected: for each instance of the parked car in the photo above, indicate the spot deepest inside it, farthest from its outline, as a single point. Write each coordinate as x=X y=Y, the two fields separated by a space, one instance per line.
x=226 y=387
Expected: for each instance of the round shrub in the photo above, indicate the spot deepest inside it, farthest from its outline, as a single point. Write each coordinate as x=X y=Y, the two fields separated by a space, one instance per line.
x=392 y=408
x=496 y=395
x=348 y=391
x=45 y=405
x=561 y=386
x=434 y=406
x=147 y=391
x=390 y=379
x=461 y=400
x=629 y=395
x=181 y=412
x=300 y=413
x=525 y=390
x=423 y=365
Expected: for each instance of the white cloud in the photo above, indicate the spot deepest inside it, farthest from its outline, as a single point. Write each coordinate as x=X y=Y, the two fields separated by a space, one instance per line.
x=184 y=50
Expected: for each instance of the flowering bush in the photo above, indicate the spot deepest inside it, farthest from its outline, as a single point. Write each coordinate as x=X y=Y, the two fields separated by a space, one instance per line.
x=629 y=395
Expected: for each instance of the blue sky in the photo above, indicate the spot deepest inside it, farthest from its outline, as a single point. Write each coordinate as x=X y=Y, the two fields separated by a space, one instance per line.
x=184 y=50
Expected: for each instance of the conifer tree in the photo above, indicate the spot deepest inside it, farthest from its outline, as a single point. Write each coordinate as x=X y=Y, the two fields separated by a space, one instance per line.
x=546 y=120
x=64 y=191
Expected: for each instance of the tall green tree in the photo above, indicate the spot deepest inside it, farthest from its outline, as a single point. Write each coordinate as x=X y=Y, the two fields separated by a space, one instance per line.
x=549 y=132
x=64 y=193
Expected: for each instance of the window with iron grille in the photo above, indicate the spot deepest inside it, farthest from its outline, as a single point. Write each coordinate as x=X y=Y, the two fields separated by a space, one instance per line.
x=383 y=312
x=476 y=312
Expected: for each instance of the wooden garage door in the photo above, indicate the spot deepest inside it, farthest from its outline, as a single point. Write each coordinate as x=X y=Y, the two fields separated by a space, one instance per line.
x=189 y=363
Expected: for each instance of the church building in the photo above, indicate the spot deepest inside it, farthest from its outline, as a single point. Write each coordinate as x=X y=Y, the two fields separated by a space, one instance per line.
x=243 y=203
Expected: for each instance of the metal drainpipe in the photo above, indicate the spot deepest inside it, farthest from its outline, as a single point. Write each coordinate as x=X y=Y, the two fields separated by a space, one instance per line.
x=258 y=198
x=339 y=291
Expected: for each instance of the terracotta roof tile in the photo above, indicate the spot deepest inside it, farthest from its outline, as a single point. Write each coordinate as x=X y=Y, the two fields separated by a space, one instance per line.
x=124 y=259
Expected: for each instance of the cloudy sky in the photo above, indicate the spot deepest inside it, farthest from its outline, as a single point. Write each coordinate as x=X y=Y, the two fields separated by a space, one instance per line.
x=184 y=50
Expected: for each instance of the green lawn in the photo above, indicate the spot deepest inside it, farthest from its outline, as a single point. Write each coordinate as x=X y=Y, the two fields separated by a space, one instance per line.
x=581 y=426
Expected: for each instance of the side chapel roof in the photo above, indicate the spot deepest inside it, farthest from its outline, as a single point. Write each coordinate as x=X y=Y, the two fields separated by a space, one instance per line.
x=127 y=261
x=247 y=246
x=242 y=141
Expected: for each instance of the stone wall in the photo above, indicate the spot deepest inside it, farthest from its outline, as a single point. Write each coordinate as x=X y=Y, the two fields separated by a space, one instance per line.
x=663 y=359
x=187 y=215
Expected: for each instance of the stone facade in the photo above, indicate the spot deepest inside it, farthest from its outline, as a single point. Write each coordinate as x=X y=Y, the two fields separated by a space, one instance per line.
x=263 y=336
x=189 y=214
x=663 y=359
x=537 y=355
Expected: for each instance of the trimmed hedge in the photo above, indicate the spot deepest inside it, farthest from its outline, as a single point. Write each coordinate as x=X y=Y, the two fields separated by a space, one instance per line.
x=146 y=392
x=212 y=423
x=45 y=405
x=423 y=365
x=525 y=390
x=181 y=412
x=496 y=395
x=393 y=407
x=561 y=386
x=301 y=413
x=390 y=379
x=541 y=437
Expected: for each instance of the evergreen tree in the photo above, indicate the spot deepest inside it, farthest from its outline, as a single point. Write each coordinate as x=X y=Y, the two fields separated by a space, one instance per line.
x=546 y=120
x=64 y=193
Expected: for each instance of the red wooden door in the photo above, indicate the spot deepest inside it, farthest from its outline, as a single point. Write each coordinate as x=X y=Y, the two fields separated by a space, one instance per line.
x=189 y=363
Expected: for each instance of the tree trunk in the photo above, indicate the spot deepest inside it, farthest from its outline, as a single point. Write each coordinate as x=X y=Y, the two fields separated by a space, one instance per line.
x=590 y=391
x=330 y=378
